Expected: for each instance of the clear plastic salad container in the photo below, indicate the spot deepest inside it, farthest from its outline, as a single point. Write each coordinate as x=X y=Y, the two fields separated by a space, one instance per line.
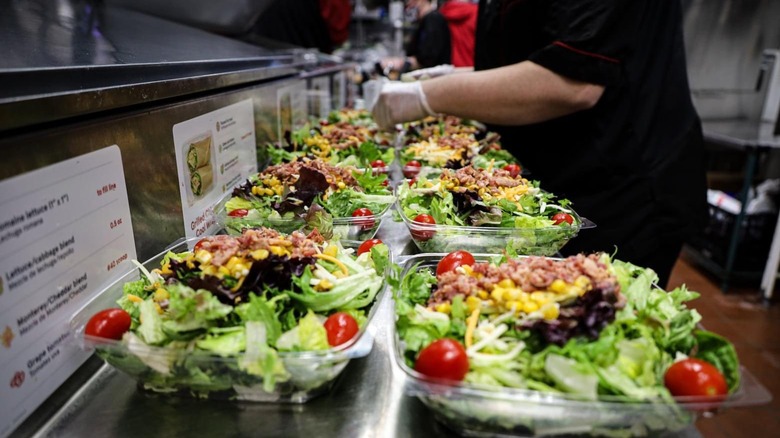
x=474 y=410
x=354 y=230
x=523 y=241
x=203 y=375
x=346 y=229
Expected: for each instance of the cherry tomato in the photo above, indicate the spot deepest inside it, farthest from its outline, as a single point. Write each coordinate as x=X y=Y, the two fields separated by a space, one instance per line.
x=341 y=327
x=412 y=181
x=239 y=212
x=695 y=377
x=385 y=182
x=513 y=169
x=368 y=222
x=559 y=218
x=379 y=166
x=453 y=260
x=198 y=246
x=367 y=245
x=412 y=168
x=109 y=323
x=422 y=221
x=443 y=359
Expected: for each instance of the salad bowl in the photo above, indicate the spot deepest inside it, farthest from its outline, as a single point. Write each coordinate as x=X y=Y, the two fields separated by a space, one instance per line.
x=215 y=364
x=509 y=399
x=545 y=241
x=487 y=212
x=344 y=203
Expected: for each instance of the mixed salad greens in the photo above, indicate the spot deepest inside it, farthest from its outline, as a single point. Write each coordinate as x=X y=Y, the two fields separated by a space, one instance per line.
x=346 y=138
x=586 y=328
x=310 y=194
x=449 y=142
x=221 y=316
x=510 y=208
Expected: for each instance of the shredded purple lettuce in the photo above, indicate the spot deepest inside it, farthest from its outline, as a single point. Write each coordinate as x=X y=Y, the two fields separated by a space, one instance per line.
x=272 y=272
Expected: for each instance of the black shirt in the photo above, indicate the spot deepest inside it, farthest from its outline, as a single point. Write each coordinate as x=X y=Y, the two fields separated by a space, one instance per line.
x=430 y=43
x=633 y=163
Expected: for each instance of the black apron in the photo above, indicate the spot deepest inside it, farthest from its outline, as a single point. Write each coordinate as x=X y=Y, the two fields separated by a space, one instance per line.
x=634 y=163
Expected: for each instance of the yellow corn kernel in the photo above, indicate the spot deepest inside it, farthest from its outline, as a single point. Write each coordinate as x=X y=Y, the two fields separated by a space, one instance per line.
x=497 y=294
x=513 y=305
x=341 y=185
x=223 y=270
x=331 y=250
x=260 y=254
x=468 y=270
x=277 y=250
x=530 y=307
x=559 y=286
x=203 y=256
x=238 y=270
x=512 y=294
x=278 y=190
x=444 y=308
x=134 y=298
x=507 y=283
x=582 y=281
x=550 y=311
x=159 y=308
x=255 y=190
x=161 y=294
x=209 y=270
x=232 y=262
x=482 y=294
x=473 y=302
x=324 y=285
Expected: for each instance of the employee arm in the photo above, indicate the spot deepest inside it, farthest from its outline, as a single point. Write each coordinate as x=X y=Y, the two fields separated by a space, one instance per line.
x=517 y=94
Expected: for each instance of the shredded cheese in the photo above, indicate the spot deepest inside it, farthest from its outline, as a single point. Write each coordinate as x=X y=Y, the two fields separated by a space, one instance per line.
x=334 y=260
x=471 y=322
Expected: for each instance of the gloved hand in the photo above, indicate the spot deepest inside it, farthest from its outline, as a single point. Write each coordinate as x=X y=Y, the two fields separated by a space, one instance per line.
x=400 y=102
x=428 y=73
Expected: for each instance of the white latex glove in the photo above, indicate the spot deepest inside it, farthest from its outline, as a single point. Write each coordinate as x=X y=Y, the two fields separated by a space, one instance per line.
x=400 y=102
x=428 y=73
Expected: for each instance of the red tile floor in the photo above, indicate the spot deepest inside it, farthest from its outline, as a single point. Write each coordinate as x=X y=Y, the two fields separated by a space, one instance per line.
x=754 y=328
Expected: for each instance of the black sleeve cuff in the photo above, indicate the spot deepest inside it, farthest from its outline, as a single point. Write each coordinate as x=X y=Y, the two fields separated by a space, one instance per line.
x=577 y=64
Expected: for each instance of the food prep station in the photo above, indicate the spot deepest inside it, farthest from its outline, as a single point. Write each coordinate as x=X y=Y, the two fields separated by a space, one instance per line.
x=143 y=81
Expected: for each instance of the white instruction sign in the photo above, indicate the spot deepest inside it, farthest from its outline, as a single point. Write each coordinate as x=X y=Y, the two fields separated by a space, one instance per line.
x=65 y=230
x=214 y=153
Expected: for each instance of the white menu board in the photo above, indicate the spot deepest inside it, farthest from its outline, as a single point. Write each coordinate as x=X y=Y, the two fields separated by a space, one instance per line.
x=65 y=230
x=214 y=152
